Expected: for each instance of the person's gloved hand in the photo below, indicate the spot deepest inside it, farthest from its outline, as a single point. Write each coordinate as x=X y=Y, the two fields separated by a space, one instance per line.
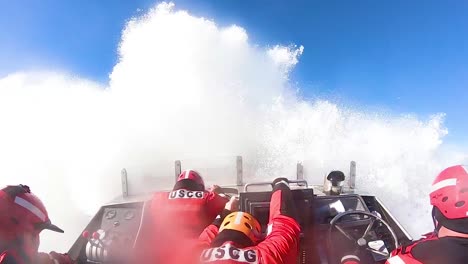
x=233 y=204
x=215 y=188
x=281 y=180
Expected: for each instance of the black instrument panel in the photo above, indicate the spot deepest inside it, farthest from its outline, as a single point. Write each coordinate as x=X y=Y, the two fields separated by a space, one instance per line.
x=258 y=205
x=327 y=207
x=312 y=209
x=315 y=214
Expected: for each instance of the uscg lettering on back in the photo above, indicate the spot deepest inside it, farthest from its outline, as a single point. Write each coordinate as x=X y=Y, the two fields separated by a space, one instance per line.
x=229 y=252
x=186 y=194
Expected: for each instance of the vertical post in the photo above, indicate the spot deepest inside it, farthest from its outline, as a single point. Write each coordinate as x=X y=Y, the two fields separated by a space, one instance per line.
x=123 y=175
x=352 y=175
x=178 y=169
x=239 y=171
x=300 y=171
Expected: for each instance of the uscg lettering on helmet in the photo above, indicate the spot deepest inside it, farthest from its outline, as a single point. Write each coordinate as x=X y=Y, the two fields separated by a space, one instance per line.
x=229 y=252
x=219 y=253
x=186 y=194
x=206 y=255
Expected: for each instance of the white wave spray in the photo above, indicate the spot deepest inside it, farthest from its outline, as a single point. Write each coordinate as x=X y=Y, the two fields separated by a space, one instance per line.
x=187 y=88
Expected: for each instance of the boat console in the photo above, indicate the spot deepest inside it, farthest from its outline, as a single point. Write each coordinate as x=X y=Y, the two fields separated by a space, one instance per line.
x=334 y=222
x=332 y=226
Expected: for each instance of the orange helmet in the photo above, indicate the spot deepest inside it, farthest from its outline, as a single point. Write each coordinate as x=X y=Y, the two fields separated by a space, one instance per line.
x=244 y=223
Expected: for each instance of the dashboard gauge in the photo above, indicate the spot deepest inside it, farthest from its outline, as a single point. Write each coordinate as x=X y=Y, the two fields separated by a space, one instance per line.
x=129 y=215
x=111 y=214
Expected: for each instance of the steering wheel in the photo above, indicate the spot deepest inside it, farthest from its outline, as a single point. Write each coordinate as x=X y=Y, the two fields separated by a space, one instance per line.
x=362 y=241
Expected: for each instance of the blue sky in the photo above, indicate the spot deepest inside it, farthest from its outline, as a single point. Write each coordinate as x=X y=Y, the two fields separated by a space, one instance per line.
x=402 y=56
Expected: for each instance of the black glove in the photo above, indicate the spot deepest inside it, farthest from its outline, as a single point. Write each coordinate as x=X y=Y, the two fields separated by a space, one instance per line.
x=280 y=181
x=220 y=218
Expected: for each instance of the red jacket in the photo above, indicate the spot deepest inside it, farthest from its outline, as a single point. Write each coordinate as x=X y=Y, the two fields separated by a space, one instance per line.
x=280 y=245
x=177 y=219
x=188 y=212
x=432 y=250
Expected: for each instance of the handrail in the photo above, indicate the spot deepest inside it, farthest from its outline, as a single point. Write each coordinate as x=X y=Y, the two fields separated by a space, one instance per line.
x=298 y=182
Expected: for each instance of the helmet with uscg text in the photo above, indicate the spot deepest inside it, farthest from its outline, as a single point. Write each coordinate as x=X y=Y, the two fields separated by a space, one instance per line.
x=449 y=196
x=193 y=176
x=244 y=223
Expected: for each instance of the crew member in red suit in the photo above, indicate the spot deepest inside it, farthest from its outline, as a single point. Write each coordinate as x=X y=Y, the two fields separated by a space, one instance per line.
x=449 y=241
x=179 y=216
x=22 y=218
x=236 y=237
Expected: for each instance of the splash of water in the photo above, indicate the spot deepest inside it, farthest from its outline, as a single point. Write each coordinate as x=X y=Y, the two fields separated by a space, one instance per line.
x=185 y=87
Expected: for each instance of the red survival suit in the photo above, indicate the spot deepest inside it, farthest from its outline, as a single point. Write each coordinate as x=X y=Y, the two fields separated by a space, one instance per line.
x=177 y=219
x=280 y=245
x=449 y=198
x=432 y=250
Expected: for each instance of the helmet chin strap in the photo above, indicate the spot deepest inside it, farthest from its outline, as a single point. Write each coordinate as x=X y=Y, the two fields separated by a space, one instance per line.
x=437 y=224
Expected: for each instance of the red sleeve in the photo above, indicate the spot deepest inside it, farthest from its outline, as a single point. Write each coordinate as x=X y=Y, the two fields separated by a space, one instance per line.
x=282 y=242
x=215 y=204
x=282 y=202
x=208 y=235
x=403 y=254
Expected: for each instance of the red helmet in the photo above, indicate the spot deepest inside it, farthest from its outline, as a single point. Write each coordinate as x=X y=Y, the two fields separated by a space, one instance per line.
x=21 y=211
x=192 y=175
x=449 y=192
